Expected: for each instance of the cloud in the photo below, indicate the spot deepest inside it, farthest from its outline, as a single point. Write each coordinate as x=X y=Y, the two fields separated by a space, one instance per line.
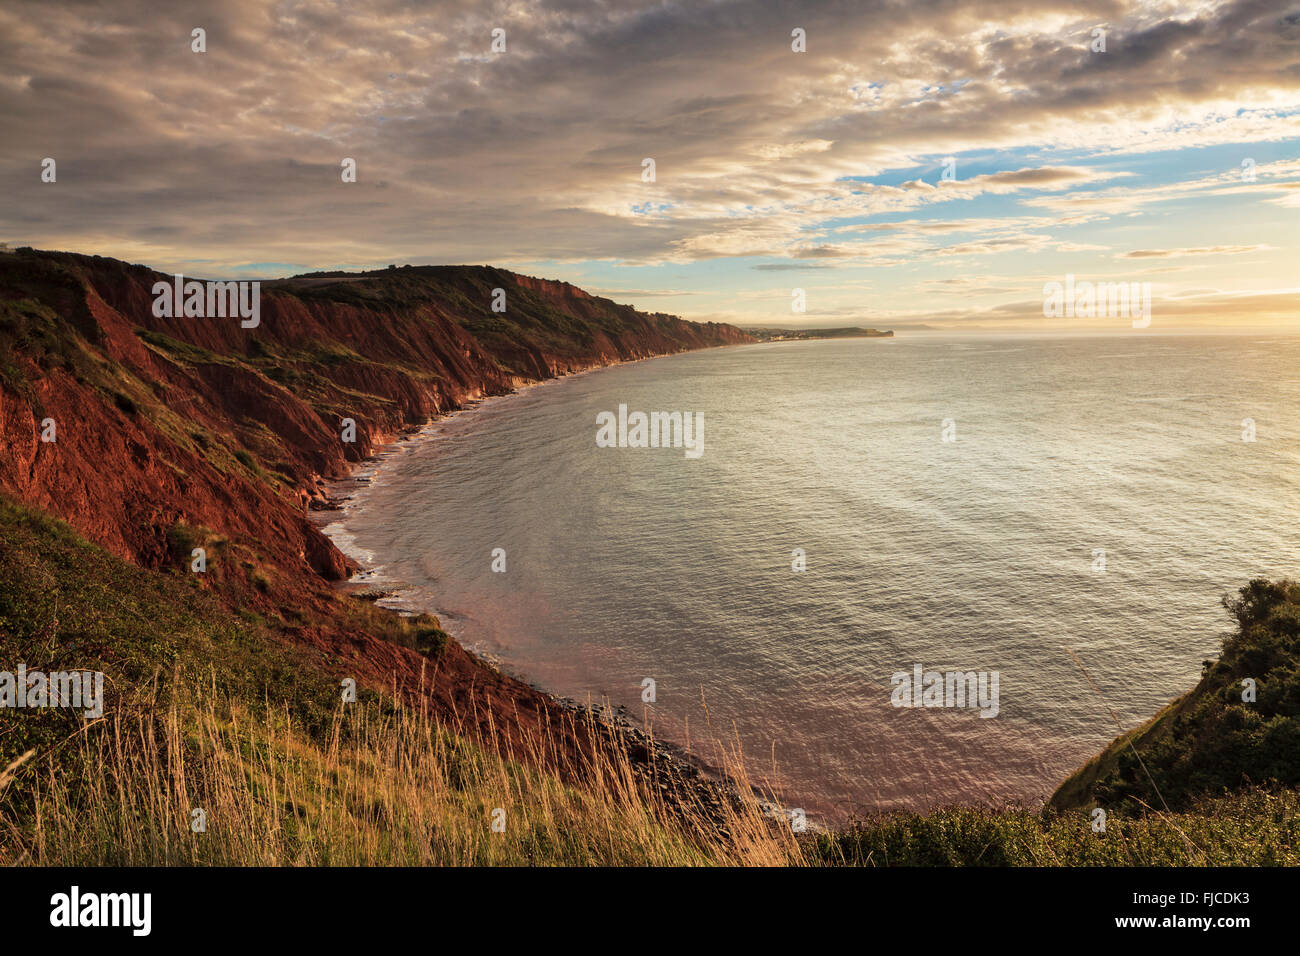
x=1180 y=253
x=231 y=158
x=1266 y=307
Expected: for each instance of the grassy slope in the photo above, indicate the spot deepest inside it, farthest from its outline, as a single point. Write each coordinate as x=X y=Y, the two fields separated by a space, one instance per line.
x=66 y=604
x=212 y=710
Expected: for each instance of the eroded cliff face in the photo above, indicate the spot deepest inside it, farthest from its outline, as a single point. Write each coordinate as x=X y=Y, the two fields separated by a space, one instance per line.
x=179 y=431
x=173 y=433
x=198 y=423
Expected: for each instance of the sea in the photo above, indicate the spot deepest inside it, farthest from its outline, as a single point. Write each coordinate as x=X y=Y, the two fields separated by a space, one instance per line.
x=1053 y=518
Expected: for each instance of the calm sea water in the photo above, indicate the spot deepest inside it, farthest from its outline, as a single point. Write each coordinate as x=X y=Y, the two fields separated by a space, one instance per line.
x=973 y=554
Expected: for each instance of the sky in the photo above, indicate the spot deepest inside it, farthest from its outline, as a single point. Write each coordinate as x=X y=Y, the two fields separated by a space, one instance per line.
x=932 y=162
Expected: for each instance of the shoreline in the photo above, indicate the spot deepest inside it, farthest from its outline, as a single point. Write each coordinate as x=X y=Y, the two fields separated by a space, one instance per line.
x=687 y=775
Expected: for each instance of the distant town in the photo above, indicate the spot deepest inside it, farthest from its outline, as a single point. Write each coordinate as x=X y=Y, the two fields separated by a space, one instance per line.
x=787 y=335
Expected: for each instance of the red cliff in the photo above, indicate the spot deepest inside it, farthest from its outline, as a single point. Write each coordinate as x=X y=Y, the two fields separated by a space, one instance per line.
x=172 y=433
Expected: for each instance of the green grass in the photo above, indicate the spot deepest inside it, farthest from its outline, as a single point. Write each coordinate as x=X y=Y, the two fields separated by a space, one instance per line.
x=67 y=604
x=1254 y=828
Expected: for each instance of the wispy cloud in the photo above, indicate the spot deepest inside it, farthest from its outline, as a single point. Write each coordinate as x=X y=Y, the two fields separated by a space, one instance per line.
x=1183 y=253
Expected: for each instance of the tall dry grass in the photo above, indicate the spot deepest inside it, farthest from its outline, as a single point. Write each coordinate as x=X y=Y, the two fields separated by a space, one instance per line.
x=382 y=785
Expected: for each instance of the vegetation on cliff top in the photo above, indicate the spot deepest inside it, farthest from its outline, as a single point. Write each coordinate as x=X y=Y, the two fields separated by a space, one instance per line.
x=554 y=318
